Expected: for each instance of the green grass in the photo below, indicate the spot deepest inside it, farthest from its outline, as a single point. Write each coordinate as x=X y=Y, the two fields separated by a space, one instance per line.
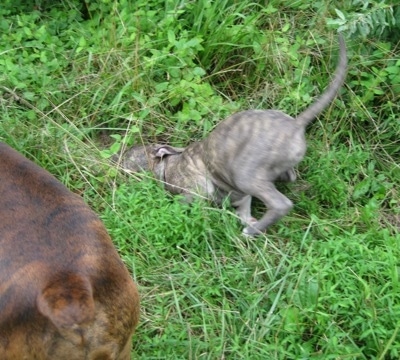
x=323 y=283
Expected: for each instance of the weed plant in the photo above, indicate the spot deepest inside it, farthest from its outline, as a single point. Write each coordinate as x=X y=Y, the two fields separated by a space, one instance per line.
x=80 y=80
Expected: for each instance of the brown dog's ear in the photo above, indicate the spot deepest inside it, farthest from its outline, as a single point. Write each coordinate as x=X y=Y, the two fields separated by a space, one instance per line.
x=163 y=150
x=68 y=302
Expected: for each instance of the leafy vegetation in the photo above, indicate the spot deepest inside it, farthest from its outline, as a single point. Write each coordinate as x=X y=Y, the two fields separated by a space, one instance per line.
x=79 y=80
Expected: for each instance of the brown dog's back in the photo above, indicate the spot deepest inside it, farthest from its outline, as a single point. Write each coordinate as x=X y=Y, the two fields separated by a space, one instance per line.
x=64 y=291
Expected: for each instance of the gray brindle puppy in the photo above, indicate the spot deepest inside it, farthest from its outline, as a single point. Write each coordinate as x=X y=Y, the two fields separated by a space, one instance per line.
x=242 y=157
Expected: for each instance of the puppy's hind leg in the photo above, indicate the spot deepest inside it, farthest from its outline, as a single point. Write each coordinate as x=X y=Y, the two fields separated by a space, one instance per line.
x=277 y=205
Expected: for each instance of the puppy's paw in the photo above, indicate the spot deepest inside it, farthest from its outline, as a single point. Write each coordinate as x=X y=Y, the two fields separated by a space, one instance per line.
x=251 y=231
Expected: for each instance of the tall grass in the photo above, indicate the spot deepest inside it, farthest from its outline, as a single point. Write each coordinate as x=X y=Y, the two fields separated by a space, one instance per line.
x=80 y=80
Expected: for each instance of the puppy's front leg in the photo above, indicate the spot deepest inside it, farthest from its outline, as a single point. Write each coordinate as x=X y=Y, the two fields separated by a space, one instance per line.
x=243 y=209
x=288 y=176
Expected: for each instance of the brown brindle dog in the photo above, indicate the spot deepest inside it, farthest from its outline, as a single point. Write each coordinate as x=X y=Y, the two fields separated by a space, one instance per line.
x=64 y=291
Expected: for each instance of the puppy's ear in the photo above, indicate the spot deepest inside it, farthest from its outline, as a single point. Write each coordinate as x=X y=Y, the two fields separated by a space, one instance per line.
x=163 y=150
